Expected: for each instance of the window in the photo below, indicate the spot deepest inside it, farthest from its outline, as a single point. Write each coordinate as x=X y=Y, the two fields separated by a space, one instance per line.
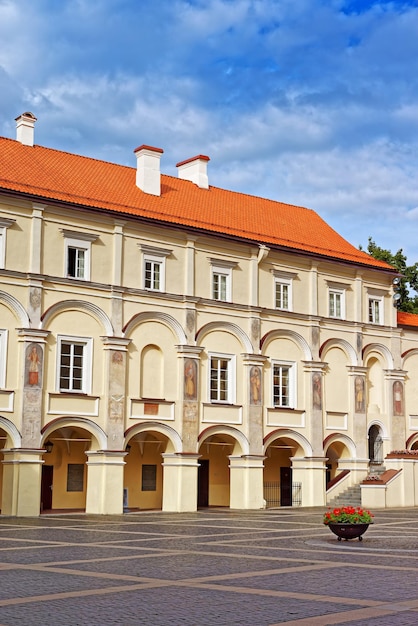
x=3 y=351
x=4 y=225
x=375 y=310
x=74 y=364
x=77 y=253
x=222 y=381
x=221 y=284
x=76 y=262
x=284 y=384
x=283 y=294
x=336 y=301
x=149 y=478
x=283 y=289
x=222 y=279
x=75 y=477
x=153 y=264
x=153 y=273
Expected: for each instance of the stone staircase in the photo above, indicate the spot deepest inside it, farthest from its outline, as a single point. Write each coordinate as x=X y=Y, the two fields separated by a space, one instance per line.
x=352 y=495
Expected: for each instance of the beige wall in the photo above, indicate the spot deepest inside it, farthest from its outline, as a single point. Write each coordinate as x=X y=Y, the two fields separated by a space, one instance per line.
x=157 y=329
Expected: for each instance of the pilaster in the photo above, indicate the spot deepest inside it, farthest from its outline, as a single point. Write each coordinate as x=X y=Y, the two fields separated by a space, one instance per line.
x=105 y=482
x=32 y=375
x=189 y=370
x=314 y=376
x=116 y=350
x=253 y=424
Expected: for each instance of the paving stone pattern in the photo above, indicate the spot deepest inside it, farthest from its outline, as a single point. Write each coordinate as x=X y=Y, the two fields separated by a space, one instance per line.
x=216 y=567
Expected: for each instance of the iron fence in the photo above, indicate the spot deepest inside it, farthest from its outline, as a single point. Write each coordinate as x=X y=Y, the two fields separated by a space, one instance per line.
x=272 y=494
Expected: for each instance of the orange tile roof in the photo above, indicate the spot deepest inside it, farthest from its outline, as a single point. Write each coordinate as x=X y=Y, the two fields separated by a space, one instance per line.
x=407 y=319
x=59 y=176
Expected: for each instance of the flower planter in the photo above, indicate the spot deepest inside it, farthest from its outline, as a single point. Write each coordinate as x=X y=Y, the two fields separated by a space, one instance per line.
x=348 y=531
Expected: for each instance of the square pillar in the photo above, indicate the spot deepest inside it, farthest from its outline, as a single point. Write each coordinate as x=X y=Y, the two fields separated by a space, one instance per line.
x=105 y=482
x=180 y=482
x=310 y=472
x=22 y=471
x=246 y=482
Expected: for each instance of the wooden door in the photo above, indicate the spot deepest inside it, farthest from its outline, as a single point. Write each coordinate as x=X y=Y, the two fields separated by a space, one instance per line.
x=203 y=483
x=285 y=486
x=46 y=487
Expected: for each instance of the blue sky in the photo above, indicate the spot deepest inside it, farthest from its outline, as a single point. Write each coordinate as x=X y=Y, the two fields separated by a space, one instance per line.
x=311 y=102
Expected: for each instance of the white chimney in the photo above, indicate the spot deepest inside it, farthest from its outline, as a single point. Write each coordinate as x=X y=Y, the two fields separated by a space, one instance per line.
x=25 y=128
x=195 y=170
x=148 y=176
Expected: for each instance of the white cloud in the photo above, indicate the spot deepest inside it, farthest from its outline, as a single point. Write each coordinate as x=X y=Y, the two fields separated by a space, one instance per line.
x=299 y=101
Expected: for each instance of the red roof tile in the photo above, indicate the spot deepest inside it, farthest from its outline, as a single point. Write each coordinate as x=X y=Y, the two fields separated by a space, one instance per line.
x=407 y=319
x=60 y=176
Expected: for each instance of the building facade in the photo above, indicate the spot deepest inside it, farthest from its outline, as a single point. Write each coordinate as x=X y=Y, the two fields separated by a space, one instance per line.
x=167 y=344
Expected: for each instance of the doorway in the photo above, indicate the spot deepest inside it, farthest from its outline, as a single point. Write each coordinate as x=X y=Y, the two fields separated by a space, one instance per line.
x=203 y=483
x=46 y=487
x=285 y=486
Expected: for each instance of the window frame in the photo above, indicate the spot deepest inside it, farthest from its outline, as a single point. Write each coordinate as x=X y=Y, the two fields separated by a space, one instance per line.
x=332 y=291
x=283 y=278
x=283 y=282
x=86 y=377
x=292 y=389
x=5 y=223
x=371 y=314
x=155 y=261
x=230 y=380
x=221 y=272
x=156 y=256
x=74 y=240
x=223 y=268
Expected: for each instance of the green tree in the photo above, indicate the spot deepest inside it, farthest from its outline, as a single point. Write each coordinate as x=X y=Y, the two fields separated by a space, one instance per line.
x=408 y=287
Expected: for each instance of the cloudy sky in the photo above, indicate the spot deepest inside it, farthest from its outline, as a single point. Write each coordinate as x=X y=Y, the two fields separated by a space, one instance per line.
x=311 y=102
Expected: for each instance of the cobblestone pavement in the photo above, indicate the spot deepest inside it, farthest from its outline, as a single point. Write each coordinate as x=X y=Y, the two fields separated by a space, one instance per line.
x=214 y=567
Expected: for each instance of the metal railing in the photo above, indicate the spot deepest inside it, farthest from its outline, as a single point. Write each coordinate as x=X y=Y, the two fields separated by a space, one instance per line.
x=272 y=494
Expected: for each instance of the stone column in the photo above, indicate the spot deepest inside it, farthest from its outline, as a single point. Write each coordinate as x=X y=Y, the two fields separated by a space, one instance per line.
x=246 y=482
x=22 y=471
x=180 y=482
x=105 y=482
x=311 y=473
x=22 y=468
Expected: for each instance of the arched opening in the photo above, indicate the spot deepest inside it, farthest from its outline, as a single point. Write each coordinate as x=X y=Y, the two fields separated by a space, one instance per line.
x=213 y=484
x=336 y=452
x=279 y=487
x=143 y=473
x=64 y=471
x=375 y=445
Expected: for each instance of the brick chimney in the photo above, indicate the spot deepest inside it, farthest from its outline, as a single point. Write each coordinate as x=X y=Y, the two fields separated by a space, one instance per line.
x=195 y=170
x=25 y=128
x=148 y=176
